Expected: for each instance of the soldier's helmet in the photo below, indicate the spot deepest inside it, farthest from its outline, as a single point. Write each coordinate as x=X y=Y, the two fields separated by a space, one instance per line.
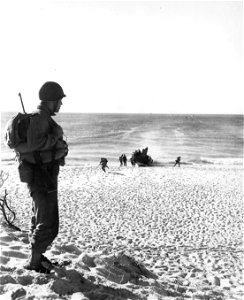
x=51 y=91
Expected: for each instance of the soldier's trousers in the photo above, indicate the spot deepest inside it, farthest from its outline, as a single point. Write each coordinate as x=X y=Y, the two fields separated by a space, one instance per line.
x=45 y=217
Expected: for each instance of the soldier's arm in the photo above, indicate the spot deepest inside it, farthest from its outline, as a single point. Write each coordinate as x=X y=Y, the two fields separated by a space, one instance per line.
x=39 y=136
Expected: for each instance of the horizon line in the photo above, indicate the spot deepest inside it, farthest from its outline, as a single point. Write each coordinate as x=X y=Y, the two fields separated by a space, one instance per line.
x=136 y=113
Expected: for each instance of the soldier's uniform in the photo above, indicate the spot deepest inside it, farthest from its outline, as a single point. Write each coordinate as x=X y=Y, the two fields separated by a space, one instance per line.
x=42 y=156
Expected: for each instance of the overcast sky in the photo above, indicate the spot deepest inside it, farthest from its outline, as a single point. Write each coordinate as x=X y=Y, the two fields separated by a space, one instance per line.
x=124 y=57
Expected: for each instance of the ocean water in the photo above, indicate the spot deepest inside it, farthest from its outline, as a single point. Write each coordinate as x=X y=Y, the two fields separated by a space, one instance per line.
x=198 y=139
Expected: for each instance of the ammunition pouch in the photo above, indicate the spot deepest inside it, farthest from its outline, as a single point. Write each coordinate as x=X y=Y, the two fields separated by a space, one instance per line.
x=46 y=156
x=26 y=172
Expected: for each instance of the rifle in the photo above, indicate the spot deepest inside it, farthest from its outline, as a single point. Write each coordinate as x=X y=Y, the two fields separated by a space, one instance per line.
x=22 y=103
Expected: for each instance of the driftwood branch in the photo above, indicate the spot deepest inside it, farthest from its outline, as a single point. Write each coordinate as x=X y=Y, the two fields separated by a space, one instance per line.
x=3 y=177
x=8 y=213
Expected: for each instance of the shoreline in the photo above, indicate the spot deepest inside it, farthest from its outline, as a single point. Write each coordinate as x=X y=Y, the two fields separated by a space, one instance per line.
x=185 y=225
x=77 y=163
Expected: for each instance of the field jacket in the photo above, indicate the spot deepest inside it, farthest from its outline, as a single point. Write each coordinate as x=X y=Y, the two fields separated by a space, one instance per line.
x=45 y=137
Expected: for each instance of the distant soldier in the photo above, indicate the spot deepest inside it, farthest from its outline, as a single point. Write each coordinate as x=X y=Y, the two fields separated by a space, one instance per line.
x=103 y=163
x=124 y=160
x=177 y=161
x=121 y=160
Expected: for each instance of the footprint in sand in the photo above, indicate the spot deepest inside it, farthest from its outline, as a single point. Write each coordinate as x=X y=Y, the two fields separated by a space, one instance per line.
x=15 y=247
x=3 y=244
x=4 y=260
x=14 y=254
x=8 y=238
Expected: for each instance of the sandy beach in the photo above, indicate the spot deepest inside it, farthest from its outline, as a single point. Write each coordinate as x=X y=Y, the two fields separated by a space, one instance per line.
x=133 y=233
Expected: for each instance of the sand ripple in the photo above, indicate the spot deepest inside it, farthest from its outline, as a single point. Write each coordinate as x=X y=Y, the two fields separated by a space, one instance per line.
x=142 y=233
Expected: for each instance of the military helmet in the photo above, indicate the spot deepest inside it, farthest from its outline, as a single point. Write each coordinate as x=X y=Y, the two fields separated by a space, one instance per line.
x=51 y=91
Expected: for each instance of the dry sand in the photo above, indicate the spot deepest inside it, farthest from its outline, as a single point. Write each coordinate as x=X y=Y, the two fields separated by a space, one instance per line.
x=134 y=233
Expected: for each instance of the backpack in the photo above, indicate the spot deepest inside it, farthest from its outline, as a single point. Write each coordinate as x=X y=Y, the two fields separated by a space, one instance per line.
x=16 y=129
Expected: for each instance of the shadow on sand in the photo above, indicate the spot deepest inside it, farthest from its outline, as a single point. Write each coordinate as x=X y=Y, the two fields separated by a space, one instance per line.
x=117 y=173
x=68 y=282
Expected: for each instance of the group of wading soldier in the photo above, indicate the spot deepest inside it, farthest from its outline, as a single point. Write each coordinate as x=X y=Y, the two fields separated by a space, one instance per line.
x=41 y=157
x=123 y=160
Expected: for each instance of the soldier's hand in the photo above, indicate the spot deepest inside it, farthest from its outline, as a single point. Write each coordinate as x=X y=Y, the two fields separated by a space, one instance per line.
x=61 y=144
x=58 y=132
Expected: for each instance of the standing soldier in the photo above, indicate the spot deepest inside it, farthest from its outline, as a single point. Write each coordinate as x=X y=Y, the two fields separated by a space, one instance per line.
x=121 y=160
x=41 y=156
x=124 y=160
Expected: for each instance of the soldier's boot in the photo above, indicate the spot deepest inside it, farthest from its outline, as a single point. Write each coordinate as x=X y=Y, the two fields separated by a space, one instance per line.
x=34 y=263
